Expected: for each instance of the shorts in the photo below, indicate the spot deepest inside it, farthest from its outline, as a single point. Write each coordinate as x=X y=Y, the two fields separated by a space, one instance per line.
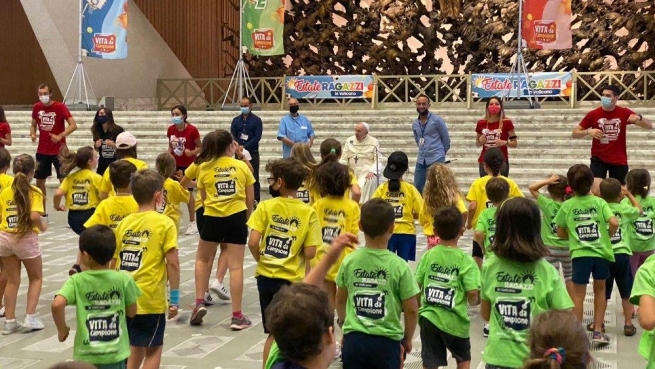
x=560 y=256
x=600 y=170
x=435 y=342
x=365 y=351
x=267 y=288
x=477 y=251
x=230 y=229
x=146 y=330
x=621 y=273
x=598 y=268
x=183 y=169
x=200 y=218
x=77 y=218
x=44 y=165
x=491 y=366
x=118 y=365
x=404 y=245
x=24 y=246
x=637 y=258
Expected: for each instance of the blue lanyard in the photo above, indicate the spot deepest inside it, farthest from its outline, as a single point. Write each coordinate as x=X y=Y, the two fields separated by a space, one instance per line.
x=423 y=127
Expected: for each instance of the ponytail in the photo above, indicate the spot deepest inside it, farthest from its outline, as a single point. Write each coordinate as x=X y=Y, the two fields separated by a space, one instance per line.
x=70 y=159
x=494 y=160
x=24 y=165
x=394 y=185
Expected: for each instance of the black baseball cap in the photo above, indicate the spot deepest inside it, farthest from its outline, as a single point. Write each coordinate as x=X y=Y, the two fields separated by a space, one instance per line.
x=397 y=165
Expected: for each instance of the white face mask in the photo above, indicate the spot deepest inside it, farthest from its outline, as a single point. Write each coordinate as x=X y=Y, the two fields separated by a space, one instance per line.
x=44 y=99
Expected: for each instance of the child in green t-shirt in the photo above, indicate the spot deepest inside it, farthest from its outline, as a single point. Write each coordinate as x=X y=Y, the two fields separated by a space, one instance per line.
x=448 y=278
x=375 y=286
x=585 y=219
x=103 y=298
x=643 y=294
x=518 y=283
x=497 y=191
x=641 y=233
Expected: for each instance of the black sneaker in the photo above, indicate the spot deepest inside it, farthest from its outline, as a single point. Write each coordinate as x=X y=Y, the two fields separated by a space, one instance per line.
x=196 y=316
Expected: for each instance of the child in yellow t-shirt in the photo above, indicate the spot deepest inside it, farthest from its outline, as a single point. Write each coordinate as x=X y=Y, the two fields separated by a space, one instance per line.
x=407 y=204
x=146 y=248
x=301 y=152
x=125 y=150
x=5 y=182
x=174 y=193
x=331 y=151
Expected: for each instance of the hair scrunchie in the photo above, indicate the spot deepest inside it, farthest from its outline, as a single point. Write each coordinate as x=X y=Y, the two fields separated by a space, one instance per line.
x=558 y=354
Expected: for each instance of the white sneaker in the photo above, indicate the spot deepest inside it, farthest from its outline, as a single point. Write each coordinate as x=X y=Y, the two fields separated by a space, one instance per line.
x=209 y=299
x=11 y=327
x=191 y=229
x=219 y=289
x=2 y=312
x=32 y=322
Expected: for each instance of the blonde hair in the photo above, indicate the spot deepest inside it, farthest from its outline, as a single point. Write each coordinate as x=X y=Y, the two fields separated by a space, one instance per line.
x=23 y=168
x=165 y=164
x=441 y=189
x=301 y=152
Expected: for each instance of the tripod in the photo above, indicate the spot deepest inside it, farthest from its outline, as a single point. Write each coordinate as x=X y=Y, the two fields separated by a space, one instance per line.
x=518 y=67
x=80 y=79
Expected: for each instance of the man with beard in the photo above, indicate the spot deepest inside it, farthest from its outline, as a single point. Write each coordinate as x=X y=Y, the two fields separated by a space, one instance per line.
x=431 y=136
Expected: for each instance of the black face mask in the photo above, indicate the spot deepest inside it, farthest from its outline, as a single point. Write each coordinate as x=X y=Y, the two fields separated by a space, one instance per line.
x=273 y=192
x=422 y=113
x=294 y=109
x=102 y=119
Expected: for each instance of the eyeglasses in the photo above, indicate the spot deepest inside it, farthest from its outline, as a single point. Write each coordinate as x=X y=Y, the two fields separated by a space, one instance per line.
x=271 y=181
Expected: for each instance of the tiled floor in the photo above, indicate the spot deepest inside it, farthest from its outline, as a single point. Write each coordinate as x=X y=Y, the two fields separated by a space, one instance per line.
x=213 y=345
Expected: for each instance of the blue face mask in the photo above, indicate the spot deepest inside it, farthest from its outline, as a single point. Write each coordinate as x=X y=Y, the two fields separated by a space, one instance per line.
x=245 y=110
x=177 y=120
x=606 y=101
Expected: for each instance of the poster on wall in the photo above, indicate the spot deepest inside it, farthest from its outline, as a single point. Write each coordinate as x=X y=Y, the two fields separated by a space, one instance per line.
x=506 y=85
x=104 y=29
x=263 y=27
x=547 y=24
x=329 y=87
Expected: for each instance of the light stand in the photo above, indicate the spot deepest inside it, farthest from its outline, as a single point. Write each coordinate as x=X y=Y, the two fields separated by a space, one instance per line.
x=80 y=77
x=240 y=77
x=518 y=67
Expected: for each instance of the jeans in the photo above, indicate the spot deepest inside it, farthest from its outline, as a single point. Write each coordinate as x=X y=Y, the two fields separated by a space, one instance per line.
x=255 y=166
x=421 y=172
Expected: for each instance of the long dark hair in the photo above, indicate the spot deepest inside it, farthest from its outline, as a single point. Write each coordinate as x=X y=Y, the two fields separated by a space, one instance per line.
x=3 y=118
x=96 y=128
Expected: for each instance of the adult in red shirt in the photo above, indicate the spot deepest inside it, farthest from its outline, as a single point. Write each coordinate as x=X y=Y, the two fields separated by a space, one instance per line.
x=184 y=145
x=495 y=130
x=48 y=116
x=606 y=125
x=5 y=130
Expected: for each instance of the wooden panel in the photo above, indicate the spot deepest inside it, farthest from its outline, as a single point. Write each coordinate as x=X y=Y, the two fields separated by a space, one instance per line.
x=202 y=33
x=22 y=66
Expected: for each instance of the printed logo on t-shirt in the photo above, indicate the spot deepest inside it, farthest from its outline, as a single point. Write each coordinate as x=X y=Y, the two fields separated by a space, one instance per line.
x=47 y=120
x=616 y=237
x=226 y=188
x=443 y=274
x=489 y=204
x=12 y=221
x=442 y=296
x=107 y=152
x=514 y=313
x=131 y=259
x=115 y=219
x=644 y=227
x=491 y=135
x=330 y=233
x=162 y=207
x=398 y=211
x=553 y=227
x=587 y=232
x=395 y=196
x=80 y=198
x=515 y=283
x=279 y=246
x=585 y=214
x=370 y=305
x=177 y=143
x=103 y=300
x=610 y=127
x=303 y=195
x=370 y=278
x=103 y=328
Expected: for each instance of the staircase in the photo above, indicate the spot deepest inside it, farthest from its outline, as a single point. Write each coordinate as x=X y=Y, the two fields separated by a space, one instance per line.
x=544 y=136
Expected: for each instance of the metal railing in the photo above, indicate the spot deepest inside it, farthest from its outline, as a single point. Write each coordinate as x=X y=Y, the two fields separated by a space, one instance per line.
x=638 y=88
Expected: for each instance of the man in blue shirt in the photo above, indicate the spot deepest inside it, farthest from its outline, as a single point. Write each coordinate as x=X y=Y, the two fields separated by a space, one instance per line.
x=247 y=131
x=294 y=128
x=431 y=136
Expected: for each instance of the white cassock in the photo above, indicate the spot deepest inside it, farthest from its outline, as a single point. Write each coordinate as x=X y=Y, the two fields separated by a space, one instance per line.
x=362 y=157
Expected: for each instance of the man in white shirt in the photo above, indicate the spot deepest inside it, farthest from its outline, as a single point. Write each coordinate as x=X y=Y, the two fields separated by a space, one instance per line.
x=361 y=154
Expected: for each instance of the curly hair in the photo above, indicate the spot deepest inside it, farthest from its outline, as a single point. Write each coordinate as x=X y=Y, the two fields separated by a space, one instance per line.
x=441 y=189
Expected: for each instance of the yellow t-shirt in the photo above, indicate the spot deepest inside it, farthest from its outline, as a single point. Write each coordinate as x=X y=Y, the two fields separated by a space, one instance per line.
x=336 y=215
x=174 y=194
x=478 y=193
x=406 y=203
x=224 y=181
x=314 y=195
x=303 y=194
x=9 y=212
x=106 y=186
x=287 y=226
x=81 y=189
x=427 y=220
x=142 y=242
x=5 y=181
x=111 y=211
x=192 y=173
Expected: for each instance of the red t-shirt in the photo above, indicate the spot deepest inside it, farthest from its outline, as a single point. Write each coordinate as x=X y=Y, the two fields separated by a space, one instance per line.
x=492 y=131
x=613 y=124
x=181 y=140
x=4 y=130
x=50 y=119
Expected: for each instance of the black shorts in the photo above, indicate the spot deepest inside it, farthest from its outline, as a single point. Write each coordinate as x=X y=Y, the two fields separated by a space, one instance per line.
x=435 y=342
x=77 y=218
x=44 y=165
x=365 y=351
x=183 y=169
x=146 y=330
x=597 y=267
x=600 y=170
x=200 y=218
x=230 y=229
x=621 y=273
x=267 y=288
x=477 y=251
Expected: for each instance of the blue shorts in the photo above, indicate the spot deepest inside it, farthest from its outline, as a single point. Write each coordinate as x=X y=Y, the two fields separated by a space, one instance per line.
x=146 y=330
x=404 y=245
x=621 y=273
x=362 y=350
x=585 y=266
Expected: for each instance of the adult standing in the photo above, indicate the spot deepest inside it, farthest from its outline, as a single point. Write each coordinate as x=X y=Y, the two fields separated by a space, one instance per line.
x=5 y=129
x=49 y=116
x=184 y=144
x=104 y=131
x=431 y=136
x=495 y=130
x=247 y=131
x=606 y=125
x=361 y=154
x=294 y=128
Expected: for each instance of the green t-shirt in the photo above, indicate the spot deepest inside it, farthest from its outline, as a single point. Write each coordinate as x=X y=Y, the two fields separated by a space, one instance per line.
x=446 y=274
x=549 y=209
x=518 y=292
x=625 y=214
x=644 y=284
x=101 y=298
x=586 y=219
x=641 y=230
x=487 y=224
x=274 y=356
x=377 y=282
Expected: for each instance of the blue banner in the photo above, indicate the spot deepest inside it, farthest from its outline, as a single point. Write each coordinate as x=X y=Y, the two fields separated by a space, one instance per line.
x=506 y=85
x=104 y=29
x=329 y=87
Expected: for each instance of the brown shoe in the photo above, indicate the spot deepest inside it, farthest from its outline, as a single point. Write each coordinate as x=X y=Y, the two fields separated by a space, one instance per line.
x=629 y=330
x=591 y=328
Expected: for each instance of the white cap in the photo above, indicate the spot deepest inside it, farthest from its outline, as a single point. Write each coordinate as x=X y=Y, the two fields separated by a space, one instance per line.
x=365 y=126
x=125 y=140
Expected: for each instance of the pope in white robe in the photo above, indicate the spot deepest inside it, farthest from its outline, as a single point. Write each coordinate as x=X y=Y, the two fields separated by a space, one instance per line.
x=361 y=154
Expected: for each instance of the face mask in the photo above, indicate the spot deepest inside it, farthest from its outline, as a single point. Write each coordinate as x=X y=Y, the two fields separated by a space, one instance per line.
x=606 y=101
x=44 y=99
x=294 y=109
x=102 y=119
x=177 y=120
x=422 y=113
x=273 y=192
x=245 y=110
x=494 y=109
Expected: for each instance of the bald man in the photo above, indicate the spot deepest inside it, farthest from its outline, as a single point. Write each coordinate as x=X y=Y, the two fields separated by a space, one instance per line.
x=360 y=153
x=294 y=128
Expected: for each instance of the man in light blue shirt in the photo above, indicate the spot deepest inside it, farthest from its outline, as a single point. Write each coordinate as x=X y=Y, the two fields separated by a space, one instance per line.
x=431 y=136
x=294 y=128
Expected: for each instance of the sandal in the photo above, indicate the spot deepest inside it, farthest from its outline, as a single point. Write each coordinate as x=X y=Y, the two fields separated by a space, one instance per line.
x=590 y=327
x=629 y=330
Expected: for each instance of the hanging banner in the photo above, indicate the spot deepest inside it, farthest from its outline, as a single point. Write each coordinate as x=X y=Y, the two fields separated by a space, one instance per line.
x=263 y=27
x=547 y=24
x=505 y=85
x=104 y=29
x=329 y=87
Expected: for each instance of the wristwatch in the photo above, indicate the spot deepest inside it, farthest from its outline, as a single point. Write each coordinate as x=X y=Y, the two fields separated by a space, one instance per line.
x=641 y=117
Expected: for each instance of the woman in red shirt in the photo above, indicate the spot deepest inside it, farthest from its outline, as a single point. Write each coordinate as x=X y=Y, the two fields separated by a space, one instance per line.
x=5 y=130
x=495 y=130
